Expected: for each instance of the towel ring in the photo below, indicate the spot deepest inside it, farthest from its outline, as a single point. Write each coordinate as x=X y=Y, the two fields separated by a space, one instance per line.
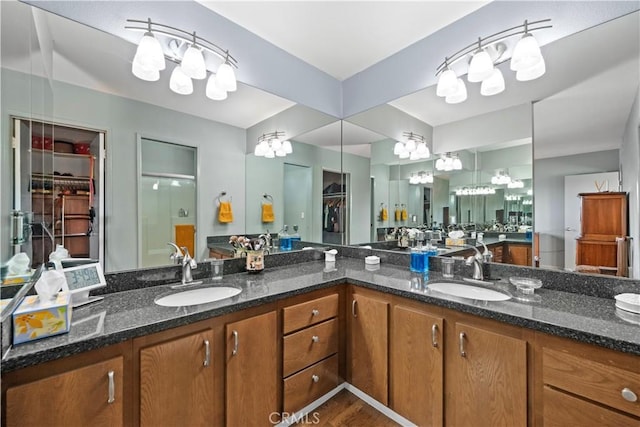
x=220 y=196
x=268 y=197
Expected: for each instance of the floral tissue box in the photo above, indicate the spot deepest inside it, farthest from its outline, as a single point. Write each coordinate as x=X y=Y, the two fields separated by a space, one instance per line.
x=35 y=319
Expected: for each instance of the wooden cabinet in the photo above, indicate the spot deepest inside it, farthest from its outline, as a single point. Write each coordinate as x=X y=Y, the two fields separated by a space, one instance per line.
x=252 y=369
x=175 y=375
x=369 y=343
x=497 y=249
x=88 y=389
x=310 y=361
x=486 y=382
x=518 y=254
x=416 y=372
x=589 y=385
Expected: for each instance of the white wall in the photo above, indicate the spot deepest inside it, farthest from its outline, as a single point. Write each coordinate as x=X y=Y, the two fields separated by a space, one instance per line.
x=629 y=161
x=548 y=197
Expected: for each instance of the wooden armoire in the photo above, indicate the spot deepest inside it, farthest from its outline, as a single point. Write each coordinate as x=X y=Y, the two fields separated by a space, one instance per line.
x=603 y=218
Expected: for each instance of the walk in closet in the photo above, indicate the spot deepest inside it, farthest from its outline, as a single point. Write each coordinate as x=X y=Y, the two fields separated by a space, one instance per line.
x=335 y=209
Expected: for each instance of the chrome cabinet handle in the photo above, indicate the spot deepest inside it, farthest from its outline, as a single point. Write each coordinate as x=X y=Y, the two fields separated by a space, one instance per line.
x=353 y=308
x=462 y=337
x=315 y=378
x=629 y=395
x=315 y=338
x=207 y=353
x=434 y=335
x=236 y=343
x=315 y=312
x=112 y=387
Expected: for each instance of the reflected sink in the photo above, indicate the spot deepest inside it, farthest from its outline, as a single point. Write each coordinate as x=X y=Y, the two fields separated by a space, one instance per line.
x=198 y=296
x=468 y=291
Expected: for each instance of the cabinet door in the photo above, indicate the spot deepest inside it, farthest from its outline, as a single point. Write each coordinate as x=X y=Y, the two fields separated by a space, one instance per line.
x=489 y=379
x=92 y=395
x=252 y=371
x=519 y=254
x=369 y=346
x=416 y=366
x=176 y=381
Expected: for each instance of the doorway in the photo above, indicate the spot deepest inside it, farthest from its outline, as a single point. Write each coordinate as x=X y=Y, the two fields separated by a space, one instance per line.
x=297 y=199
x=167 y=201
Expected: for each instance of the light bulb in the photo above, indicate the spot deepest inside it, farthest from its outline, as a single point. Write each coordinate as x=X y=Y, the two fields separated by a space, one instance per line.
x=227 y=77
x=398 y=148
x=213 y=91
x=149 y=53
x=447 y=83
x=147 y=74
x=286 y=146
x=531 y=73
x=526 y=54
x=494 y=84
x=481 y=67
x=193 y=63
x=180 y=83
x=459 y=96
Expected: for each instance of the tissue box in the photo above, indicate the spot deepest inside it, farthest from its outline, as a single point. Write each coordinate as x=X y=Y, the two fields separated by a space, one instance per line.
x=35 y=319
x=454 y=242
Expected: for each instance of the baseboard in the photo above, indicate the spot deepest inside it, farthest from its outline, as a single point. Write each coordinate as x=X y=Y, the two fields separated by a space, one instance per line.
x=301 y=414
x=379 y=406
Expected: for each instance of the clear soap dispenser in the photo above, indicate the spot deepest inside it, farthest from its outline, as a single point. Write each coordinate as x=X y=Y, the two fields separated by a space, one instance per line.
x=285 y=238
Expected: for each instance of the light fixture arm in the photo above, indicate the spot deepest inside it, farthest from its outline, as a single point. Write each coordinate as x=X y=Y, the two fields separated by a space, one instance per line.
x=176 y=33
x=524 y=28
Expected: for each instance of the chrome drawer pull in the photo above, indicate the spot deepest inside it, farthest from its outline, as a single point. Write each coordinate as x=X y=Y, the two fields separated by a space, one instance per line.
x=462 y=337
x=315 y=338
x=207 y=353
x=112 y=387
x=629 y=395
x=315 y=312
x=236 y=343
x=353 y=308
x=434 y=335
x=315 y=378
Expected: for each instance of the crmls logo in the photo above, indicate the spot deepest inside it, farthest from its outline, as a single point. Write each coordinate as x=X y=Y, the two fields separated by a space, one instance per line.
x=312 y=418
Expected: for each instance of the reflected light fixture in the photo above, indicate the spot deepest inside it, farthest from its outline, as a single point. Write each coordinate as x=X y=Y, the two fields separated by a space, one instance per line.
x=448 y=162
x=526 y=60
x=271 y=145
x=193 y=55
x=414 y=148
x=421 y=177
x=501 y=178
x=515 y=184
x=475 y=191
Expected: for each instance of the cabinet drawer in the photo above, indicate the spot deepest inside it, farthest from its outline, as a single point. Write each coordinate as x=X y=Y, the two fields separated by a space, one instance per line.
x=593 y=380
x=561 y=410
x=309 y=313
x=308 y=385
x=307 y=346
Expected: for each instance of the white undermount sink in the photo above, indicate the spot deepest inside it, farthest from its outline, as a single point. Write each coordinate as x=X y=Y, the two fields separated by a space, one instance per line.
x=198 y=296
x=468 y=291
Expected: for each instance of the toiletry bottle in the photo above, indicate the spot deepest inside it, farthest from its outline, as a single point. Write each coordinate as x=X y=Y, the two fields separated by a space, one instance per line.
x=429 y=251
x=416 y=263
x=295 y=236
x=285 y=239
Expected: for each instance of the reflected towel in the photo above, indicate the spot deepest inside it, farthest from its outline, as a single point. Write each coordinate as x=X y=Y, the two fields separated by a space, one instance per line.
x=225 y=214
x=384 y=215
x=267 y=212
x=397 y=215
x=404 y=215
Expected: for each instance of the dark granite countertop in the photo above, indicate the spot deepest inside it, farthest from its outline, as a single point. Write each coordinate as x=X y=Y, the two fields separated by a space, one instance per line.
x=133 y=313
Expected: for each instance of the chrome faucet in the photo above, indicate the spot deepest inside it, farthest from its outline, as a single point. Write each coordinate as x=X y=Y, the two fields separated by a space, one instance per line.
x=477 y=262
x=188 y=263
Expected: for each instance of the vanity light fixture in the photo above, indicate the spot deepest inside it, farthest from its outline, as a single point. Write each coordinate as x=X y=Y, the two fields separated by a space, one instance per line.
x=475 y=191
x=271 y=145
x=448 y=162
x=193 y=55
x=501 y=178
x=421 y=177
x=527 y=202
x=526 y=61
x=515 y=183
x=414 y=148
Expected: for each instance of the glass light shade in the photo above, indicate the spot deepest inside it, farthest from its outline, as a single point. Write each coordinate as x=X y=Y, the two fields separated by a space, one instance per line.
x=147 y=74
x=447 y=83
x=526 y=54
x=398 y=148
x=193 y=63
x=410 y=146
x=180 y=83
x=259 y=150
x=481 y=67
x=414 y=155
x=404 y=155
x=457 y=164
x=459 y=96
x=421 y=148
x=286 y=146
x=213 y=91
x=270 y=154
x=276 y=144
x=429 y=178
x=493 y=84
x=280 y=153
x=531 y=73
x=440 y=164
x=149 y=53
x=227 y=77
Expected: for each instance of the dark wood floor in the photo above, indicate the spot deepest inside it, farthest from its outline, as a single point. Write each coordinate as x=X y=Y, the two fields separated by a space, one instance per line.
x=346 y=410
